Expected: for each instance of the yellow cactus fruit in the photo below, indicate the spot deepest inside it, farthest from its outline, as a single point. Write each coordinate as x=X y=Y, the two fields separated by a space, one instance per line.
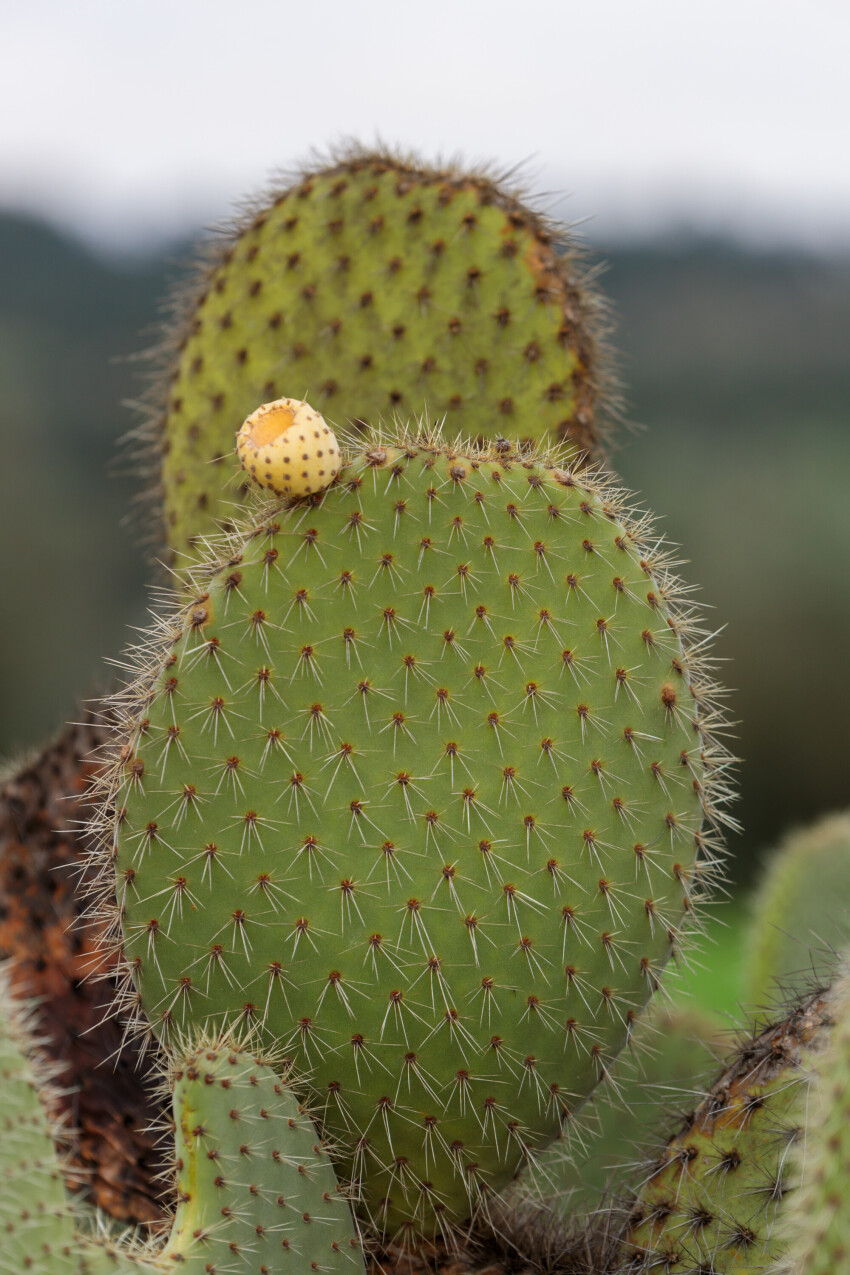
x=287 y=447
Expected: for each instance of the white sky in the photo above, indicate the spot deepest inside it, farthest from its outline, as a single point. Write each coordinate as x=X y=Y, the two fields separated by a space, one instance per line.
x=134 y=119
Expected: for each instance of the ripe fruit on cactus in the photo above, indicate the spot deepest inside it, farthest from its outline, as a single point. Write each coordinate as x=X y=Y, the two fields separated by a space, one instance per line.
x=416 y=786
x=376 y=285
x=287 y=448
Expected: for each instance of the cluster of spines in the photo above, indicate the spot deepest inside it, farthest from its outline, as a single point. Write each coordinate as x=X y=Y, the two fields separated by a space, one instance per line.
x=374 y=458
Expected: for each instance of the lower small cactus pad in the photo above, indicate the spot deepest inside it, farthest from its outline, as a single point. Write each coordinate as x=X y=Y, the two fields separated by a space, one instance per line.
x=256 y=1191
x=417 y=788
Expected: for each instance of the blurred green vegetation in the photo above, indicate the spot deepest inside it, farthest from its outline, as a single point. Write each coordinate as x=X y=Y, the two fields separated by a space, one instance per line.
x=712 y=978
x=736 y=362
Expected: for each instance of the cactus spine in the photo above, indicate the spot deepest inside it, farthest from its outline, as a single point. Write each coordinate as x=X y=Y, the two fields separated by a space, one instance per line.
x=416 y=786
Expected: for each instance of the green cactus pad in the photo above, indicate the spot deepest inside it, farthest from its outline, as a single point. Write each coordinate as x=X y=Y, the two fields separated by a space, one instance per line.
x=714 y=1201
x=819 y=1214
x=370 y=287
x=417 y=788
x=256 y=1190
x=36 y=1218
x=801 y=912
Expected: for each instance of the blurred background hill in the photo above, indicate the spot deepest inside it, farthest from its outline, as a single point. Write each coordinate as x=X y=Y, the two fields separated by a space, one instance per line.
x=735 y=364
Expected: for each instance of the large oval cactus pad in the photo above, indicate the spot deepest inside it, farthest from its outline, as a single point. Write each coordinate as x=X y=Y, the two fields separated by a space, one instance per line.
x=375 y=286
x=418 y=788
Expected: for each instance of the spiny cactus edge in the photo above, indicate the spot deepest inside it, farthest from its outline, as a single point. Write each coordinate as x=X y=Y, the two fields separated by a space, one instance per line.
x=817 y=1223
x=714 y=1201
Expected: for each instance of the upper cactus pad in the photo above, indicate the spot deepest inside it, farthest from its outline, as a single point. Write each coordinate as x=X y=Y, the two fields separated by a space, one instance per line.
x=422 y=289
x=417 y=787
x=256 y=1191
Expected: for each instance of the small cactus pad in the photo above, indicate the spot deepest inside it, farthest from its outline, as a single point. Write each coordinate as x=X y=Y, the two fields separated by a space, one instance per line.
x=374 y=287
x=819 y=1213
x=36 y=1219
x=801 y=912
x=256 y=1191
x=713 y=1203
x=418 y=789
x=287 y=448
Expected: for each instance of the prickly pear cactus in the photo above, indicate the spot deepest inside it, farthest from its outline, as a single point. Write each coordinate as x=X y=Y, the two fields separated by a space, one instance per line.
x=416 y=787
x=491 y=306
x=818 y=1229
x=375 y=286
x=801 y=911
x=715 y=1200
